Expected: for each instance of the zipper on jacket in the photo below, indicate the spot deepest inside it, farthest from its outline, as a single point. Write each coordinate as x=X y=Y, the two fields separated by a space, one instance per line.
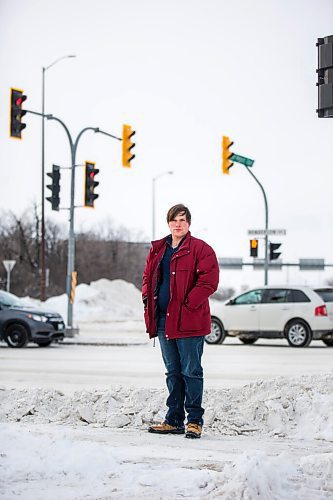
x=156 y=295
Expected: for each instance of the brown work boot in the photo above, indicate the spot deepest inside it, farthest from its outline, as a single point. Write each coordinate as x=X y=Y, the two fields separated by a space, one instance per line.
x=193 y=431
x=165 y=428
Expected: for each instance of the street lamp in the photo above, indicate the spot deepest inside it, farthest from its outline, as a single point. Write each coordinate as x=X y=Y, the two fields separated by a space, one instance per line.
x=42 y=250
x=153 y=197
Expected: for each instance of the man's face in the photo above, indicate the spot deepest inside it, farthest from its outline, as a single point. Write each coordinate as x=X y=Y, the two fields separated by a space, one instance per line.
x=179 y=226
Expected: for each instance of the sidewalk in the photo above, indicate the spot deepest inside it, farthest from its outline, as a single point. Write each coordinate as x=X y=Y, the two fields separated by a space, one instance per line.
x=110 y=333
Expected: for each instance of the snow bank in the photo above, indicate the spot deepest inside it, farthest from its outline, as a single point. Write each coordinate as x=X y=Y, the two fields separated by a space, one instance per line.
x=101 y=301
x=267 y=441
x=298 y=407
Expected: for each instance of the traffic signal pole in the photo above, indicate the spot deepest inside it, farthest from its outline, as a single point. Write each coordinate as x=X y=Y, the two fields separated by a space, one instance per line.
x=266 y=224
x=228 y=159
x=71 y=236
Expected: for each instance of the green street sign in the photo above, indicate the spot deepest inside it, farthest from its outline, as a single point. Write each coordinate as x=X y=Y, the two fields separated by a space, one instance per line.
x=242 y=159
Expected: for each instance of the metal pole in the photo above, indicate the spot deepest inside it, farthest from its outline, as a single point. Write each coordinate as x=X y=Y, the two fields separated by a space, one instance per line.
x=71 y=236
x=266 y=225
x=70 y=251
x=42 y=250
x=8 y=281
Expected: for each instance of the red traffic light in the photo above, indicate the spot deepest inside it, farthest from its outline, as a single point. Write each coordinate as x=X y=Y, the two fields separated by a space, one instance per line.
x=90 y=184
x=16 y=112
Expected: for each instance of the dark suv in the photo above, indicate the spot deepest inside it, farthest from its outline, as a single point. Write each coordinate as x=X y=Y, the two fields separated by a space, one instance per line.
x=20 y=324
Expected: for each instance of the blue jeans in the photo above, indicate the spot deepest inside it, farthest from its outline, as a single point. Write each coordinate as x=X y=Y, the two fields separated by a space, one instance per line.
x=184 y=377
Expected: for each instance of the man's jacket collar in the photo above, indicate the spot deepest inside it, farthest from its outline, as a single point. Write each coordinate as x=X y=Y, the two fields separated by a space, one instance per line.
x=158 y=244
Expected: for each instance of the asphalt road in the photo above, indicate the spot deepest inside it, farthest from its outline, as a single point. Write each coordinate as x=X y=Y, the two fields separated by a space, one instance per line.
x=232 y=364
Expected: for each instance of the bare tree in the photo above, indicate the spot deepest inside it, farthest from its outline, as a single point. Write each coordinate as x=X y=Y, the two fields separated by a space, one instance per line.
x=105 y=252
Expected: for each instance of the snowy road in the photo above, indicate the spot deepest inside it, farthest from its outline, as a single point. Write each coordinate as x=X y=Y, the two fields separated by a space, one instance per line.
x=71 y=367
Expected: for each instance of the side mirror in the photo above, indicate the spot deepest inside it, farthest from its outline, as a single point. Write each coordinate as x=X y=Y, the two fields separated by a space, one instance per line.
x=230 y=302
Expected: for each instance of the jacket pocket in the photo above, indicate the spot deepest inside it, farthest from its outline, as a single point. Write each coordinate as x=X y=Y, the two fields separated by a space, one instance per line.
x=190 y=319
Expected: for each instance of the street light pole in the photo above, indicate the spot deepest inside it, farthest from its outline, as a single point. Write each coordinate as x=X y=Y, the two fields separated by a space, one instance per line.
x=42 y=247
x=169 y=172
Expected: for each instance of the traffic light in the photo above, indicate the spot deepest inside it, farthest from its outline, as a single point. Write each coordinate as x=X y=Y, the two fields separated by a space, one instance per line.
x=226 y=154
x=254 y=248
x=54 y=199
x=127 y=146
x=325 y=77
x=16 y=112
x=90 y=184
x=273 y=255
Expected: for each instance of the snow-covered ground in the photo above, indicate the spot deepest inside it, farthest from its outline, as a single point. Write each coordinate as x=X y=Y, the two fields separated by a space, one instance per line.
x=268 y=440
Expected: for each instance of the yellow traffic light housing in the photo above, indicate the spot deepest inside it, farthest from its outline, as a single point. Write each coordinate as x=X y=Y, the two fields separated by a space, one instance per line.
x=226 y=154
x=254 y=248
x=127 y=146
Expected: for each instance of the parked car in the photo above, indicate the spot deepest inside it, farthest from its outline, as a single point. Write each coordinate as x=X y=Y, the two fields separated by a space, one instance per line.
x=20 y=324
x=296 y=313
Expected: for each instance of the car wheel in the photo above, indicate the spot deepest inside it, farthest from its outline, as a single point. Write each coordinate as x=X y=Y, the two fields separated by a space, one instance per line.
x=217 y=333
x=328 y=342
x=44 y=343
x=298 y=333
x=247 y=340
x=16 y=336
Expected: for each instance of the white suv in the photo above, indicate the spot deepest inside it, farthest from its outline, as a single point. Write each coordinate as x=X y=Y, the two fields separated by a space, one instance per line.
x=296 y=313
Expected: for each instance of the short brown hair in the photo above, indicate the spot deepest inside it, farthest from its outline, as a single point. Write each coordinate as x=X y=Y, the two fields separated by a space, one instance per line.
x=179 y=209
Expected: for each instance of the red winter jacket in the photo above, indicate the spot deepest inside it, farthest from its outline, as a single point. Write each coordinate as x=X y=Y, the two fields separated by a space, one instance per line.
x=194 y=276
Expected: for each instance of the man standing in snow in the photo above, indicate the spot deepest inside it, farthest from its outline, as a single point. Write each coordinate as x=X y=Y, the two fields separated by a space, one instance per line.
x=181 y=273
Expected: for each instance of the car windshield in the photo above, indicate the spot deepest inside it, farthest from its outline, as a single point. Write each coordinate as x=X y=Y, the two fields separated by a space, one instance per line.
x=10 y=300
x=326 y=295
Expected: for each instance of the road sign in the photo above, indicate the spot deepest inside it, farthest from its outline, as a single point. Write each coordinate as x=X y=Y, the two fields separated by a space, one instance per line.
x=311 y=264
x=231 y=262
x=260 y=264
x=242 y=159
x=270 y=232
x=9 y=264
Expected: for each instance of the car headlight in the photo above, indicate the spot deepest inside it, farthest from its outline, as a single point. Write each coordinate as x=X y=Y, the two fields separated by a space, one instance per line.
x=38 y=317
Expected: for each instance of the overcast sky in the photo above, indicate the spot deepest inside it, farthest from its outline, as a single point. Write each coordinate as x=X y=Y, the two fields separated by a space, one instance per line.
x=182 y=73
